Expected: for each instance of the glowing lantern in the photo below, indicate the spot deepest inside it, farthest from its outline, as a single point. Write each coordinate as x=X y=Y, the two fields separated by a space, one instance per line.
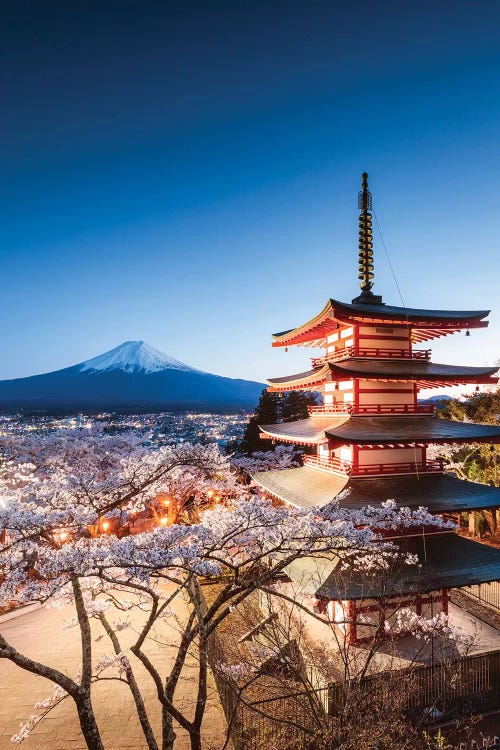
x=105 y=526
x=210 y=494
x=163 y=520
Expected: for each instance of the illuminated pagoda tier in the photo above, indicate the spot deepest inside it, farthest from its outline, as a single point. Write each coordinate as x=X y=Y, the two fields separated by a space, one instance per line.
x=367 y=441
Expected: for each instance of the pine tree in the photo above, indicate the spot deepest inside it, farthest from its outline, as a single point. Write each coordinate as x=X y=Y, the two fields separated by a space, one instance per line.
x=265 y=413
x=294 y=405
x=273 y=408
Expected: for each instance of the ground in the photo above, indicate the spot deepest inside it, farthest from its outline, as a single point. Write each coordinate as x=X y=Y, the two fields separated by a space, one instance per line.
x=38 y=634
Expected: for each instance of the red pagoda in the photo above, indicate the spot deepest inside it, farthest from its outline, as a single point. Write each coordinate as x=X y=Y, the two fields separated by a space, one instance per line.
x=367 y=442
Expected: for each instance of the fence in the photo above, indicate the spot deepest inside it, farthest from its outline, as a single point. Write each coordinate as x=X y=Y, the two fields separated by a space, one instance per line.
x=486 y=593
x=469 y=684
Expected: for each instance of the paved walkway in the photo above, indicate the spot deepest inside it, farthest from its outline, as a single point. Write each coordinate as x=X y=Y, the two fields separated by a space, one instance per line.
x=38 y=634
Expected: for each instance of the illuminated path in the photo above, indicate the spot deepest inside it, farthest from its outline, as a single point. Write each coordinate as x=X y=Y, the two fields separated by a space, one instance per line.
x=38 y=634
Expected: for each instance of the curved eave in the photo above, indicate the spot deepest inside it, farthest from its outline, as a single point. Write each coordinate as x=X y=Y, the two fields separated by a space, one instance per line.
x=392 y=430
x=425 y=324
x=426 y=374
x=309 y=431
x=316 y=328
x=408 y=315
x=306 y=487
x=301 y=381
x=303 y=487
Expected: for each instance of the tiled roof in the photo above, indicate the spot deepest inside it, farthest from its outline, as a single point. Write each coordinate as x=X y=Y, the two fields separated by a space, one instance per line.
x=306 y=487
x=397 y=429
x=311 y=430
x=407 y=369
x=445 y=561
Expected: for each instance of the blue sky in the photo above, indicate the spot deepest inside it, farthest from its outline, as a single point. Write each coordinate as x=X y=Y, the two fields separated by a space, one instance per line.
x=187 y=173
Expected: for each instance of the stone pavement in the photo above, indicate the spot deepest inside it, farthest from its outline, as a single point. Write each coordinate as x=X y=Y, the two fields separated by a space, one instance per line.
x=38 y=634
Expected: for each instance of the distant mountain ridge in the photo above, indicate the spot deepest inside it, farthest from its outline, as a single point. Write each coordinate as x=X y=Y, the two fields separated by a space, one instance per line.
x=132 y=376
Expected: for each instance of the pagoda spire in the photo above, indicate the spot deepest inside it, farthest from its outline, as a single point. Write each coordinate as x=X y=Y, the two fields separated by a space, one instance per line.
x=365 y=262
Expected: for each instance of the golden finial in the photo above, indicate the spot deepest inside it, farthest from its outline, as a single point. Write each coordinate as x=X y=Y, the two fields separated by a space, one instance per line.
x=365 y=237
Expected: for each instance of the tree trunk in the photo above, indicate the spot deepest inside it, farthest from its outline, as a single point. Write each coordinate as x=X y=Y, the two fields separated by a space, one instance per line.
x=88 y=724
x=167 y=729
x=195 y=739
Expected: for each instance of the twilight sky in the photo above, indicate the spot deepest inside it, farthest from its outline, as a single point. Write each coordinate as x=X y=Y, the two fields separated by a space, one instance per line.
x=187 y=173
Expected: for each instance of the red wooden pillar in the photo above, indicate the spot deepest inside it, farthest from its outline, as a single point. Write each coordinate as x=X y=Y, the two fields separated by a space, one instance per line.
x=418 y=604
x=352 y=636
x=355 y=459
x=445 y=601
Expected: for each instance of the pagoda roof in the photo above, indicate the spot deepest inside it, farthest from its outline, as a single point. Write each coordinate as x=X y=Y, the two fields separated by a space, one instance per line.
x=308 y=379
x=308 y=487
x=431 y=323
x=445 y=561
x=304 y=487
x=402 y=429
x=425 y=374
x=307 y=431
x=419 y=370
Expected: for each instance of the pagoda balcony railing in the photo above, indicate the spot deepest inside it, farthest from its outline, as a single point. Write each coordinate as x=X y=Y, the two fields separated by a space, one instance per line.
x=326 y=409
x=394 y=409
x=346 y=467
x=406 y=468
x=330 y=464
x=371 y=353
x=369 y=409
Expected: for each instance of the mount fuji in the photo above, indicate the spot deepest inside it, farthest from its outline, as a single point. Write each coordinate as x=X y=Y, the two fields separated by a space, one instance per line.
x=132 y=376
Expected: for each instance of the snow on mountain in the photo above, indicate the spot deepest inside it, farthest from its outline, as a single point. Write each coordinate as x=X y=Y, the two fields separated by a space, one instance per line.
x=134 y=357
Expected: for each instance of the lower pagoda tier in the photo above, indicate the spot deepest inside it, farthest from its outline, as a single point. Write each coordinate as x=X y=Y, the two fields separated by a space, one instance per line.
x=306 y=487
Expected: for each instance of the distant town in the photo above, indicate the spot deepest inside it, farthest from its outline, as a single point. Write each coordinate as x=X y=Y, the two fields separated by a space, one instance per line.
x=167 y=428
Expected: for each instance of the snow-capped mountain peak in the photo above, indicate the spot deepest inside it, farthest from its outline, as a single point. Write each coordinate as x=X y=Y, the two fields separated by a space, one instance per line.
x=134 y=356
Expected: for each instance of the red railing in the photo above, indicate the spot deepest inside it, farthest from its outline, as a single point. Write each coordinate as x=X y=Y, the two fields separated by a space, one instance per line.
x=371 y=353
x=408 y=468
x=330 y=409
x=341 y=466
x=394 y=409
x=332 y=464
x=372 y=409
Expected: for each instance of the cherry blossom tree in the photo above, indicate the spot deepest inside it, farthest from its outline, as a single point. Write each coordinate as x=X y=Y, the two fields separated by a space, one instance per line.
x=55 y=487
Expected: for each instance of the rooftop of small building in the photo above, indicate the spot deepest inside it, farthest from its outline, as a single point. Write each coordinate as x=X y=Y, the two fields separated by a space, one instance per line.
x=445 y=561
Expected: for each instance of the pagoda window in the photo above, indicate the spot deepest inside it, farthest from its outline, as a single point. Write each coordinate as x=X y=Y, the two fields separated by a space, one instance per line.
x=346 y=385
x=347 y=332
x=345 y=454
x=332 y=338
